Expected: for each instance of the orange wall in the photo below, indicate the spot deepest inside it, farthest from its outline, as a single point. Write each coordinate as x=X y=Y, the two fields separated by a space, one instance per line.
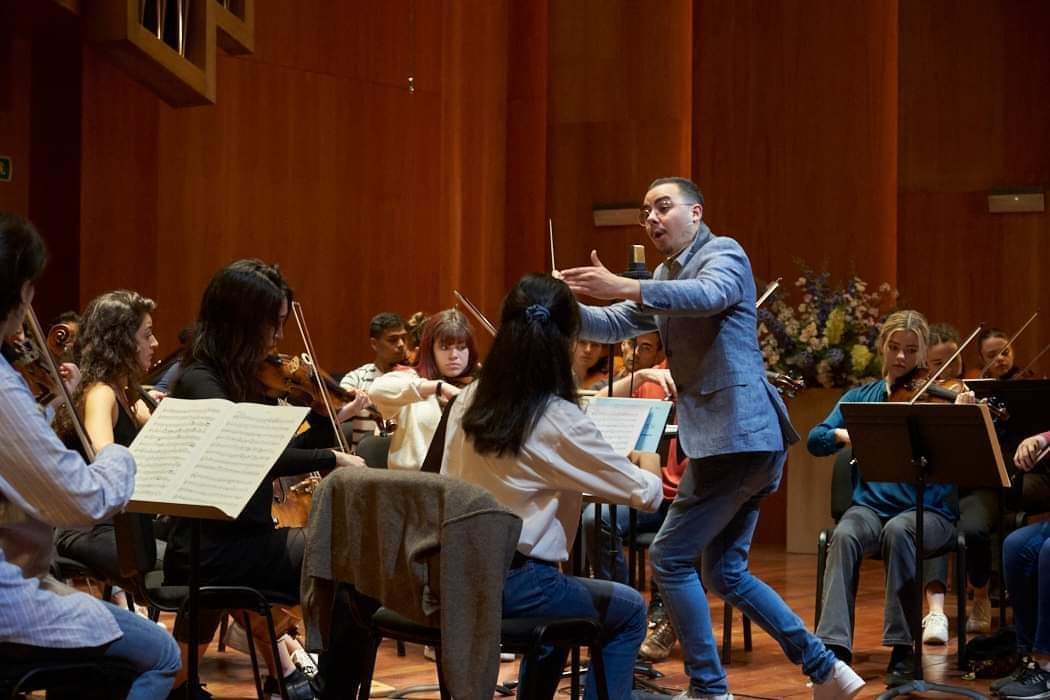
x=15 y=77
x=975 y=115
x=795 y=132
x=316 y=156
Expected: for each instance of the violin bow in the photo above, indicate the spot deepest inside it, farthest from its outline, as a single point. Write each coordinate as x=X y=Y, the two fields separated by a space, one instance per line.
x=947 y=364
x=770 y=288
x=1035 y=359
x=550 y=239
x=476 y=312
x=40 y=339
x=300 y=320
x=1010 y=342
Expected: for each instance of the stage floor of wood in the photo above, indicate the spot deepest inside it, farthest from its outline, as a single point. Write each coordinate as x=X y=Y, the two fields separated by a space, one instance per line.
x=762 y=673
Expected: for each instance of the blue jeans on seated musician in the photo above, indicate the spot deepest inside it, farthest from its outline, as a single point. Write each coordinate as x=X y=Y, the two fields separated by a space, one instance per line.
x=541 y=590
x=1026 y=570
x=143 y=645
x=713 y=519
x=611 y=564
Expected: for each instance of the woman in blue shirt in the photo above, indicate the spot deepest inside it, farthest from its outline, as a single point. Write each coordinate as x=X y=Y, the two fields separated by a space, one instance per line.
x=882 y=516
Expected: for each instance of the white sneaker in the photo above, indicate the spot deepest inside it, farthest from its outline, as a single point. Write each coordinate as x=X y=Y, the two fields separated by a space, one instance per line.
x=305 y=662
x=935 y=628
x=980 y=620
x=842 y=684
x=429 y=653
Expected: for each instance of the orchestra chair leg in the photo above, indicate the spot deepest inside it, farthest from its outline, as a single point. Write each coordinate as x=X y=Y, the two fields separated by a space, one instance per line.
x=224 y=625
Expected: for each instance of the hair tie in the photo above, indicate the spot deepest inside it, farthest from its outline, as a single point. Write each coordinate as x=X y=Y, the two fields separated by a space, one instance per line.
x=538 y=312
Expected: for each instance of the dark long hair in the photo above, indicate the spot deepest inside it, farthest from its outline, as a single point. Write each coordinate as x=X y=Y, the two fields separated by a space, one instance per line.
x=449 y=326
x=530 y=362
x=106 y=349
x=240 y=306
x=22 y=259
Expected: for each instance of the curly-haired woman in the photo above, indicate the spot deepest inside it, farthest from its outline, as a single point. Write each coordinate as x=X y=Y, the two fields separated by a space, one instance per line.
x=114 y=349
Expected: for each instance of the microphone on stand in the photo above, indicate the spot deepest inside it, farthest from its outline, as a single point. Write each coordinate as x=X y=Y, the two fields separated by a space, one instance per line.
x=636 y=270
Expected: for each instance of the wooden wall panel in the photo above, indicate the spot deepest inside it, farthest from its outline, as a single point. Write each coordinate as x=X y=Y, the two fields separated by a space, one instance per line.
x=620 y=115
x=974 y=107
x=317 y=157
x=974 y=115
x=795 y=132
x=119 y=194
x=15 y=78
x=527 y=104
x=54 y=159
x=962 y=265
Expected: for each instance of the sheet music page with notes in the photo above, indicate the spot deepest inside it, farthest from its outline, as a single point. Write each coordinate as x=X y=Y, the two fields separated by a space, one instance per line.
x=208 y=455
x=619 y=423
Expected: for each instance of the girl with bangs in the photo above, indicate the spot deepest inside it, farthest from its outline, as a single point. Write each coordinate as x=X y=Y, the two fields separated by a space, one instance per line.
x=416 y=396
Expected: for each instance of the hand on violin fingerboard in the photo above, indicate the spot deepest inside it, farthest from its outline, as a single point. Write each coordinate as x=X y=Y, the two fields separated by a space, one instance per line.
x=1029 y=452
x=966 y=397
x=70 y=374
x=351 y=409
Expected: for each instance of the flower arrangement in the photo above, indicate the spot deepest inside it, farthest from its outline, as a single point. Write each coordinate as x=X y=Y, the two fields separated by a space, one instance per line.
x=829 y=338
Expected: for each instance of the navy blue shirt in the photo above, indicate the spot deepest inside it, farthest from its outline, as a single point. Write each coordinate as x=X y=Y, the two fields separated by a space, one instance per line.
x=887 y=499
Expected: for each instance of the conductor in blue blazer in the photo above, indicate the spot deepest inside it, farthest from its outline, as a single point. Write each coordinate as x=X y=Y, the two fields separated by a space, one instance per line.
x=731 y=423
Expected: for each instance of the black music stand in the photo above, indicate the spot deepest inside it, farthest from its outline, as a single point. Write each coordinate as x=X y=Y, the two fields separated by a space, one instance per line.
x=1024 y=399
x=921 y=444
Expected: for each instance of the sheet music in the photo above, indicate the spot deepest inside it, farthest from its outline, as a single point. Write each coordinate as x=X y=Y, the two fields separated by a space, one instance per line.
x=210 y=452
x=620 y=423
x=655 y=423
x=173 y=437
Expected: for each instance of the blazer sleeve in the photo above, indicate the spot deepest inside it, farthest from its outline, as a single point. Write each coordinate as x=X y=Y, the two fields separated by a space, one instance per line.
x=720 y=284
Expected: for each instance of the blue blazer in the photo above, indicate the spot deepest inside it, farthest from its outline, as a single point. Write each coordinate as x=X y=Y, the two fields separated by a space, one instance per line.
x=702 y=302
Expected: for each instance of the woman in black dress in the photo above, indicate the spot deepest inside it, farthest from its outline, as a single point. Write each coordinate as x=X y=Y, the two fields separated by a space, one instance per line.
x=241 y=321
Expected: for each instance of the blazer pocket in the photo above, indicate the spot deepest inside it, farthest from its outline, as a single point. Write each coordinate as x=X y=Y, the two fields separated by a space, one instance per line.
x=713 y=383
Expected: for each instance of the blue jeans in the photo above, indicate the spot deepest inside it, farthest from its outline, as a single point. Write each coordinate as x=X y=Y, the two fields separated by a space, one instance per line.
x=538 y=590
x=149 y=649
x=1026 y=569
x=713 y=518
x=611 y=564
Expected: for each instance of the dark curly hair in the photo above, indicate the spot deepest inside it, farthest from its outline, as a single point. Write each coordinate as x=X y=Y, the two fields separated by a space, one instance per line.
x=105 y=349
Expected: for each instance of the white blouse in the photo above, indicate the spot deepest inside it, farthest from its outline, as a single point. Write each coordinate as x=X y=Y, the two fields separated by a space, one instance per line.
x=564 y=457
x=397 y=394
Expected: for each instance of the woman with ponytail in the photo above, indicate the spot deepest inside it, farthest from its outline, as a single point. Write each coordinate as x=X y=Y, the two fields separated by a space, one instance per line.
x=519 y=433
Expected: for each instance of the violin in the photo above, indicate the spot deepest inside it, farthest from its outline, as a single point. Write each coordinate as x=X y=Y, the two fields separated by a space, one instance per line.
x=60 y=341
x=29 y=355
x=785 y=384
x=28 y=361
x=292 y=378
x=905 y=388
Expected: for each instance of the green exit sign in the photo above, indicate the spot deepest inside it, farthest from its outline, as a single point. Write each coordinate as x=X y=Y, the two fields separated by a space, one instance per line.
x=5 y=169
